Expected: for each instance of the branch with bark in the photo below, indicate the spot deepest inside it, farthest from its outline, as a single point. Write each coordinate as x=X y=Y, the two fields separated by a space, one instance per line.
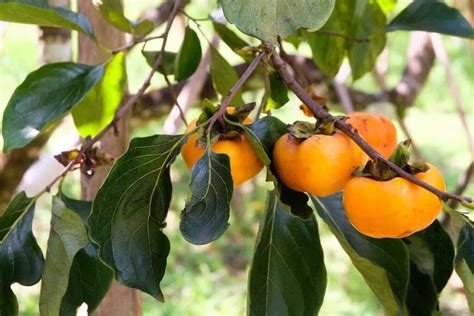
x=321 y=114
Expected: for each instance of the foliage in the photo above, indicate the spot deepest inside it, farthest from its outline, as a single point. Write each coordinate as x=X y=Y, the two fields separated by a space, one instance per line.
x=122 y=235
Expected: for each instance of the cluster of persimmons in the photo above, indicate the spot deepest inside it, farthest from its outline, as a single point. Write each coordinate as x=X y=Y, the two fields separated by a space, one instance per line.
x=322 y=163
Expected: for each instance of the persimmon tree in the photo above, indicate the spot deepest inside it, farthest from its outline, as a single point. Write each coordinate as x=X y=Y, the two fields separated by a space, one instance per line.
x=122 y=233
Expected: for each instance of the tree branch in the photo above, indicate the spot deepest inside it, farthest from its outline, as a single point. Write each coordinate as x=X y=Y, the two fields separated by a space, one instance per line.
x=347 y=129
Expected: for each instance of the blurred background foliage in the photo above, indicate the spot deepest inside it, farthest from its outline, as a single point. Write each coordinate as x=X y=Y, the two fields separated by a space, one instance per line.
x=211 y=280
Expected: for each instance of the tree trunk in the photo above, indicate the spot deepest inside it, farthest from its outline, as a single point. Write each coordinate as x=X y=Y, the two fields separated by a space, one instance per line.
x=120 y=300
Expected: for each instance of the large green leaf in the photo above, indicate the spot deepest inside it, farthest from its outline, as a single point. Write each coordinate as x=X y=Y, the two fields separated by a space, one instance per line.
x=223 y=76
x=67 y=236
x=21 y=261
x=89 y=278
x=129 y=213
x=464 y=262
x=263 y=134
x=384 y=263
x=206 y=213
x=368 y=22
x=268 y=19
x=353 y=18
x=431 y=259
x=98 y=108
x=189 y=56
x=16 y=209
x=329 y=51
x=38 y=12
x=46 y=95
x=288 y=275
x=432 y=16
x=112 y=11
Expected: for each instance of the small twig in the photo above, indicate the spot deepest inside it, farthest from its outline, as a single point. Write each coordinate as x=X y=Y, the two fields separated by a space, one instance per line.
x=341 y=89
x=440 y=53
x=233 y=91
x=463 y=182
x=266 y=92
x=347 y=129
x=300 y=76
x=122 y=111
x=346 y=37
x=135 y=42
x=175 y=96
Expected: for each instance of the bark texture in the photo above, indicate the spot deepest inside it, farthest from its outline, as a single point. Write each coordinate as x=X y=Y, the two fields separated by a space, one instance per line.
x=120 y=301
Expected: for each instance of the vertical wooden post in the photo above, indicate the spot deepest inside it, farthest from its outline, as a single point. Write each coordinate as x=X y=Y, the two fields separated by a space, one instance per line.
x=120 y=300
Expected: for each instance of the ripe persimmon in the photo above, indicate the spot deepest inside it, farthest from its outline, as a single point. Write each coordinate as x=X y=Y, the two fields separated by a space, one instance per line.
x=244 y=163
x=377 y=130
x=395 y=208
x=320 y=165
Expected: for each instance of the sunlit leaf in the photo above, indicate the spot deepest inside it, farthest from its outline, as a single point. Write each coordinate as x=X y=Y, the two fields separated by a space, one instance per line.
x=112 y=11
x=129 y=213
x=288 y=275
x=89 y=278
x=98 y=108
x=46 y=95
x=67 y=236
x=206 y=213
x=268 y=19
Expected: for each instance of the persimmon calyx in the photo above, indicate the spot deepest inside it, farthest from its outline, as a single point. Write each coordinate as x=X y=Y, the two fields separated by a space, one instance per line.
x=377 y=169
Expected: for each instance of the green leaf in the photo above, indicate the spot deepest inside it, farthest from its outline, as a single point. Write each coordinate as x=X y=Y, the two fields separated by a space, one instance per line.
x=387 y=5
x=189 y=56
x=98 y=108
x=231 y=39
x=206 y=213
x=130 y=209
x=167 y=63
x=288 y=275
x=39 y=13
x=432 y=251
x=267 y=19
x=223 y=76
x=263 y=134
x=46 y=95
x=431 y=259
x=464 y=262
x=16 y=209
x=432 y=16
x=384 y=263
x=21 y=261
x=359 y=19
x=368 y=22
x=67 y=236
x=278 y=92
x=112 y=11
x=89 y=278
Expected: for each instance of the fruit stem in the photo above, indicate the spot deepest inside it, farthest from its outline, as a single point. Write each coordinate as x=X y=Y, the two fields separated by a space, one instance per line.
x=219 y=114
